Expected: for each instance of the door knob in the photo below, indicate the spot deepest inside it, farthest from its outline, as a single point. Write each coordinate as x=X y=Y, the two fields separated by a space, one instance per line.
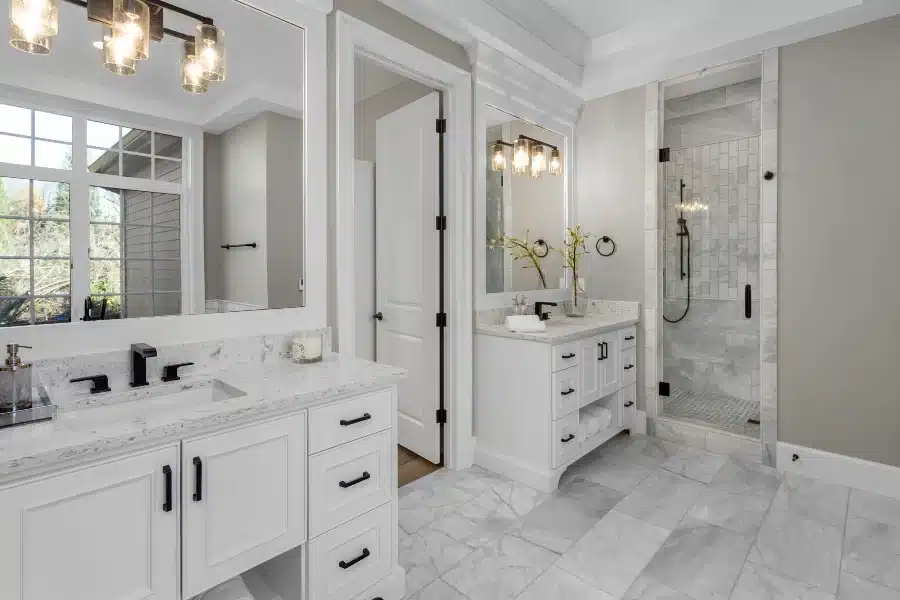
x=378 y=316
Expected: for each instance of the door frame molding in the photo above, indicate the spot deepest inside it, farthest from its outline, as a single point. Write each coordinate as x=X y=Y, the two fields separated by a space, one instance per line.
x=350 y=37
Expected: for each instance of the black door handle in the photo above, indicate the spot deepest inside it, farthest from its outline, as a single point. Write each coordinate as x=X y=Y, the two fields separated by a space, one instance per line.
x=748 y=311
x=346 y=565
x=568 y=356
x=567 y=392
x=365 y=417
x=629 y=338
x=379 y=316
x=629 y=404
x=167 y=475
x=568 y=438
x=365 y=476
x=198 y=479
x=629 y=367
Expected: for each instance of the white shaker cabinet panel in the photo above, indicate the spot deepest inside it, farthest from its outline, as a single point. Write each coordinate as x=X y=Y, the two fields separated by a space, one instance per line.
x=106 y=532
x=590 y=351
x=610 y=364
x=244 y=500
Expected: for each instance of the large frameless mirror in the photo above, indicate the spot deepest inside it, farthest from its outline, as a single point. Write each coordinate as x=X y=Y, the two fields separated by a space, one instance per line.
x=151 y=160
x=525 y=205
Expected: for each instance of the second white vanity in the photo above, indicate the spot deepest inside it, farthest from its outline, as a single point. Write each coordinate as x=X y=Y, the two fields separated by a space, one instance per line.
x=544 y=400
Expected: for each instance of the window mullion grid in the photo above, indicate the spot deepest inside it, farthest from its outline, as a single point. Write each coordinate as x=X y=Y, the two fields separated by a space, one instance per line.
x=33 y=315
x=79 y=218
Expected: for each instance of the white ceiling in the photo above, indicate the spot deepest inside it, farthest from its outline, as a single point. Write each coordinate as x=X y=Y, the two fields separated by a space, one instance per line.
x=265 y=61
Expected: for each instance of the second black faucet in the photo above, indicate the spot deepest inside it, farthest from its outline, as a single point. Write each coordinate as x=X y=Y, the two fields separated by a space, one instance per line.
x=139 y=355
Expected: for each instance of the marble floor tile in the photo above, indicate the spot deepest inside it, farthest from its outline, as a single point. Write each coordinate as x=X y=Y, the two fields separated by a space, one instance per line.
x=642 y=450
x=695 y=463
x=874 y=507
x=424 y=505
x=645 y=588
x=662 y=499
x=800 y=548
x=703 y=561
x=611 y=471
x=759 y=583
x=520 y=498
x=744 y=478
x=556 y=583
x=500 y=571
x=614 y=552
x=568 y=515
x=872 y=551
x=854 y=588
x=426 y=555
x=813 y=499
x=479 y=522
x=438 y=590
x=741 y=514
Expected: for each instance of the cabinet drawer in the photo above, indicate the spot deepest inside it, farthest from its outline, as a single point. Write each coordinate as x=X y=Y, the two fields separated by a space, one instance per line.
x=347 y=481
x=343 y=422
x=564 y=356
x=629 y=366
x=347 y=560
x=627 y=337
x=565 y=439
x=566 y=396
x=628 y=405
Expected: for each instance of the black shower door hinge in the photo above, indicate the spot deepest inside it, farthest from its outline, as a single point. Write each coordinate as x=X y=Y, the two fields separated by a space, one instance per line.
x=440 y=223
x=441 y=320
x=664 y=388
x=441 y=126
x=441 y=416
x=665 y=155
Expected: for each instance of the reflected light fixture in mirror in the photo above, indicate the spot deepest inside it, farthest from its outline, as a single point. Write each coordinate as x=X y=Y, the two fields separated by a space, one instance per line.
x=498 y=160
x=118 y=53
x=210 y=44
x=555 y=162
x=538 y=161
x=131 y=28
x=521 y=156
x=192 y=79
x=33 y=24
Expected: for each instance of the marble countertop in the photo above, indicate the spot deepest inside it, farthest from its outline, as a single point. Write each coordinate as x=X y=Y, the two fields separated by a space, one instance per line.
x=562 y=329
x=109 y=424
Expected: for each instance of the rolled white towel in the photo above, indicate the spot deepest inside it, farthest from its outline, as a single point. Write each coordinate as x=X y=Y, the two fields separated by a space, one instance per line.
x=604 y=418
x=233 y=589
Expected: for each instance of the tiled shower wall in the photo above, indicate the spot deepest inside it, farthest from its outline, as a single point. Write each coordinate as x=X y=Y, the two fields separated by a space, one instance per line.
x=714 y=137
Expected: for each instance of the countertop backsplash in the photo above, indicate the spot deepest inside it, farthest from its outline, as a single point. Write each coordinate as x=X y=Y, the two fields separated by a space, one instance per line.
x=215 y=355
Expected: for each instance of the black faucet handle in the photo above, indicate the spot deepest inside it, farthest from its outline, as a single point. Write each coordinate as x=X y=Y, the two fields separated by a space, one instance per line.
x=100 y=383
x=145 y=350
x=170 y=372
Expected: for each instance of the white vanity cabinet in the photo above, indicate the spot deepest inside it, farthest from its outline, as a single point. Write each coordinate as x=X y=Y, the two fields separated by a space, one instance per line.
x=243 y=500
x=530 y=393
x=104 y=532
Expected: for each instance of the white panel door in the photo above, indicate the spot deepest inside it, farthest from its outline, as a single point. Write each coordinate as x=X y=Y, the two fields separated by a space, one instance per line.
x=406 y=188
x=243 y=500
x=108 y=532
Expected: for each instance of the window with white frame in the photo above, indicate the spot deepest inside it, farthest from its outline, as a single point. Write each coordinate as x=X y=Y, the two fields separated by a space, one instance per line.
x=95 y=221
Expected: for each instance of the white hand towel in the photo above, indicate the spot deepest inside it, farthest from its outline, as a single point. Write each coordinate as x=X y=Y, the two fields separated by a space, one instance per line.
x=233 y=589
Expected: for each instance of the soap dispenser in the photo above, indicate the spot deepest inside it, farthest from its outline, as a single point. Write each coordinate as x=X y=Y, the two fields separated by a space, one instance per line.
x=15 y=381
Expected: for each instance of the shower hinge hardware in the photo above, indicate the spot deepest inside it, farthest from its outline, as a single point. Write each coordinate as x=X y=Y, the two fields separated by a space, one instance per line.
x=440 y=223
x=663 y=388
x=441 y=320
x=441 y=126
x=665 y=155
x=441 y=416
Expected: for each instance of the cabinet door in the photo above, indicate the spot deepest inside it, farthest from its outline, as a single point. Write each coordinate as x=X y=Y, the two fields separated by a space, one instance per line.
x=610 y=373
x=108 y=532
x=589 y=350
x=243 y=500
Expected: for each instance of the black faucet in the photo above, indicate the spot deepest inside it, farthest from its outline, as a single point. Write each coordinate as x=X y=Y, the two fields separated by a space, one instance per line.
x=539 y=310
x=139 y=355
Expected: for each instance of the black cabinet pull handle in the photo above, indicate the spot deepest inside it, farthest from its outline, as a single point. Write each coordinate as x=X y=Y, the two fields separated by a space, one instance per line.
x=198 y=479
x=747 y=302
x=568 y=356
x=365 y=417
x=629 y=338
x=629 y=404
x=604 y=350
x=568 y=438
x=167 y=475
x=346 y=565
x=629 y=367
x=365 y=476
x=567 y=392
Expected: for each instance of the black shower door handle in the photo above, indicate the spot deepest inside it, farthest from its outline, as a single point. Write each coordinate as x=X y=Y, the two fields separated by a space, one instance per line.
x=748 y=310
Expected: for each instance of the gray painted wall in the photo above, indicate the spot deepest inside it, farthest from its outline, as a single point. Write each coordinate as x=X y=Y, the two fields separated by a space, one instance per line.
x=402 y=27
x=839 y=283
x=371 y=109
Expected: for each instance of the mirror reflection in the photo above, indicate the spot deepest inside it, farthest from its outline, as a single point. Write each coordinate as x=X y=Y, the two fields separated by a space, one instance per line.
x=151 y=160
x=526 y=205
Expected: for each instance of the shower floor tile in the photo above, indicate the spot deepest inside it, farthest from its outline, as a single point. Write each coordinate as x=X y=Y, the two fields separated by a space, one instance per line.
x=723 y=412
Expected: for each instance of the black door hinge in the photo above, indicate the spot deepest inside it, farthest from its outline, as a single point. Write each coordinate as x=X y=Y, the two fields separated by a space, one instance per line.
x=441 y=320
x=441 y=416
x=441 y=126
x=663 y=388
x=665 y=155
x=440 y=223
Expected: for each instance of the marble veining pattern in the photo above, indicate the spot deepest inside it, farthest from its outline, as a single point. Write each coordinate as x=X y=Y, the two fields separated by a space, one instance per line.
x=562 y=329
x=750 y=533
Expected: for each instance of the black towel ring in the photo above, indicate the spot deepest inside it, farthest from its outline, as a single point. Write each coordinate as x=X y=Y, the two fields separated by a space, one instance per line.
x=606 y=240
x=540 y=244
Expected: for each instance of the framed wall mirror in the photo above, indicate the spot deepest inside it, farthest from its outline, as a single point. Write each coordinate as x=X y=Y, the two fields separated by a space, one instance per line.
x=151 y=165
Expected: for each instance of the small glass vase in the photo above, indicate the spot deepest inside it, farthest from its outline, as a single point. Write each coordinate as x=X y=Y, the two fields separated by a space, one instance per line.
x=575 y=306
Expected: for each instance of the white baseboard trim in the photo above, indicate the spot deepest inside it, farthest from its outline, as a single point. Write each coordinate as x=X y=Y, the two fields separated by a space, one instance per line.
x=640 y=423
x=842 y=470
x=544 y=481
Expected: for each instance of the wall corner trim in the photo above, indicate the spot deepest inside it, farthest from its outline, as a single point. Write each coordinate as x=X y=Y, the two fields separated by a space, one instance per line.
x=865 y=475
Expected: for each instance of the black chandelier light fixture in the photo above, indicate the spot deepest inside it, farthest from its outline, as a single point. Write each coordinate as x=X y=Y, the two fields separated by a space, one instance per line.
x=128 y=28
x=529 y=154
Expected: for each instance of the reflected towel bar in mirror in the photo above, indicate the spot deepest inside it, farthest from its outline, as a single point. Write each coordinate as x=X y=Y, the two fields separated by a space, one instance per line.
x=230 y=246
